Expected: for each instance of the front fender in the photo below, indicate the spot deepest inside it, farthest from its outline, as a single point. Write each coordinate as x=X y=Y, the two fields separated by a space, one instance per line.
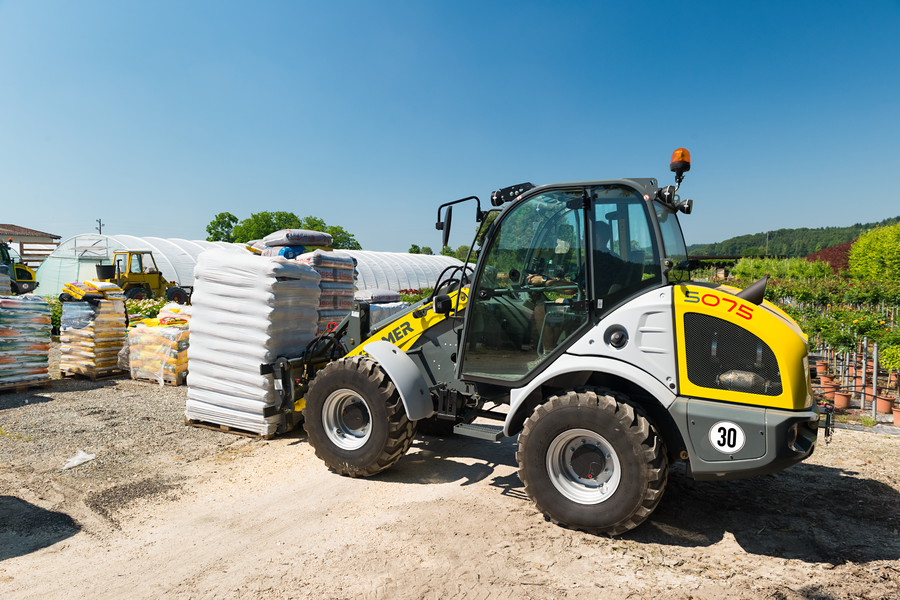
x=406 y=376
x=568 y=363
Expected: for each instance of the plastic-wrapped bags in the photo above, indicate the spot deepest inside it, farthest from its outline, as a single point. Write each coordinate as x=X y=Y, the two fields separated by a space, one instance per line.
x=297 y=237
x=158 y=353
x=5 y=286
x=338 y=273
x=24 y=340
x=91 y=337
x=246 y=310
x=386 y=310
x=377 y=296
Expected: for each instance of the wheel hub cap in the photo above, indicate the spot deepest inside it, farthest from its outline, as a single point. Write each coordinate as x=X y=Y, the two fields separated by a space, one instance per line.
x=583 y=466
x=346 y=419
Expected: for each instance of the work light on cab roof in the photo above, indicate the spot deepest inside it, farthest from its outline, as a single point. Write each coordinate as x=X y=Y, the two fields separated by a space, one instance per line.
x=680 y=164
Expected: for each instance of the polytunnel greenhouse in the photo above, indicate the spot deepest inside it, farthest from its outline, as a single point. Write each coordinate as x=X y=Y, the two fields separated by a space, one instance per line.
x=398 y=270
x=76 y=259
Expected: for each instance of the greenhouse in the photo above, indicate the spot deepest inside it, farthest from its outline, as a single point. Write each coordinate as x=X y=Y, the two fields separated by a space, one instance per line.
x=398 y=270
x=76 y=259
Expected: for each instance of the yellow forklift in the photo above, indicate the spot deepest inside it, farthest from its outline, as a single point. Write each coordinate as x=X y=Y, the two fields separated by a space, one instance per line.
x=21 y=276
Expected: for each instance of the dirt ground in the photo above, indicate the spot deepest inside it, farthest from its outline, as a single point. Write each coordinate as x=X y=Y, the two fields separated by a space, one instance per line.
x=165 y=510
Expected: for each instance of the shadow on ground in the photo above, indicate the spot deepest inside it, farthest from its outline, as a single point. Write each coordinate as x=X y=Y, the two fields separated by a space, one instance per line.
x=26 y=528
x=810 y=513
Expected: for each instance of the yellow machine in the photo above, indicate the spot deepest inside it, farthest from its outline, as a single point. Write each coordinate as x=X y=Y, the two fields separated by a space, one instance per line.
x=579 y=331
x=21 y=276
x=136 y=272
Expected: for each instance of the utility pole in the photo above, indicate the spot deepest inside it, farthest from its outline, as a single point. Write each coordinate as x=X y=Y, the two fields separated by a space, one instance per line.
x=767 y=243
x=99 y=226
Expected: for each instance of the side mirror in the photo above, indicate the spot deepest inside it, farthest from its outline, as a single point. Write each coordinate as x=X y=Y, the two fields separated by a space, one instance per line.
x=441 y=305
x=444 y=226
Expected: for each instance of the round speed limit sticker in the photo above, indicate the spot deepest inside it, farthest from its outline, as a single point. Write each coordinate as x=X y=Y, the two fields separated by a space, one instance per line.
x=727 y=437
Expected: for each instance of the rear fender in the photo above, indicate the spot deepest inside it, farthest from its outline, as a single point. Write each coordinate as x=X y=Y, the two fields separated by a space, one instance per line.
x=406 y=377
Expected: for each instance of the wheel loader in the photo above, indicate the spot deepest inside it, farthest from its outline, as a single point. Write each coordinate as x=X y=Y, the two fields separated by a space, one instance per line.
x=135 y=271
x=579 y=331
x=21 y=276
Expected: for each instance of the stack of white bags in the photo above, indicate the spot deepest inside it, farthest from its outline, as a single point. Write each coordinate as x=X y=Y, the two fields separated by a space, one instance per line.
x=246 y=310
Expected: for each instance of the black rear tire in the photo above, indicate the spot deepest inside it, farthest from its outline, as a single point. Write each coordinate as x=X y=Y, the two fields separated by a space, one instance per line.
x=137 y=293
x=355 y=419
x=590 y=460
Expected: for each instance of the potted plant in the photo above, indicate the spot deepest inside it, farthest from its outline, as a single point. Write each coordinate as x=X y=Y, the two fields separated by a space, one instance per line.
x=890 y=360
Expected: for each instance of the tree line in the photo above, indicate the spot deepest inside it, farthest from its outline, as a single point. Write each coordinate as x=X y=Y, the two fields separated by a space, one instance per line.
x=787 y=242
x=225 y=227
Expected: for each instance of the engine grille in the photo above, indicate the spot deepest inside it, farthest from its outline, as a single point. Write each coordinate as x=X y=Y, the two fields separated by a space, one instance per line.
x=723 y=356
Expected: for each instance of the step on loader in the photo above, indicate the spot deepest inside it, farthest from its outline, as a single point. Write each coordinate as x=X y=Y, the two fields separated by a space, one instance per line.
x=578 y=330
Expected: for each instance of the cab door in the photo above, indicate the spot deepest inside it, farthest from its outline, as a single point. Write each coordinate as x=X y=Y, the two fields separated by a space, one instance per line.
x=530 y=294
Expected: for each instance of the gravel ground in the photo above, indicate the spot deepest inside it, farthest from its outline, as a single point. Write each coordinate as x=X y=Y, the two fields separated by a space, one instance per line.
x=165 y=510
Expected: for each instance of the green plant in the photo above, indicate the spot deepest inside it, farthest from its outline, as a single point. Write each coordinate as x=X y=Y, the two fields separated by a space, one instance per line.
x=149 y=307
x=55 y=310
x=867 y=421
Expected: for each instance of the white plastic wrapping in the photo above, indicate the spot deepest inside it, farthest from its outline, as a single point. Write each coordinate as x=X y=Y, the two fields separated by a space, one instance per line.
x=246 y=310
x=91 y=336
x=386 y=310
x=24 y=340
x=297 y=237
x=158 y=353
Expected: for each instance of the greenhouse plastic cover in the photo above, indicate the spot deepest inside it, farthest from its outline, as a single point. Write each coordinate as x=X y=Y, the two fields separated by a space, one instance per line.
x=398 y=270
x=75 y=258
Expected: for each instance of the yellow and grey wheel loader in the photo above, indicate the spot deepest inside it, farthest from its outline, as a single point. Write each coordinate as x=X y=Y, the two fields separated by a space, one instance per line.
x=579 y=331
x=21 y=277
x=136 y=272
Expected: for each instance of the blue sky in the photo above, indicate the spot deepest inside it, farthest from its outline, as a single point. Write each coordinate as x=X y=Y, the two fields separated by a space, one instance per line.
x=156 y=116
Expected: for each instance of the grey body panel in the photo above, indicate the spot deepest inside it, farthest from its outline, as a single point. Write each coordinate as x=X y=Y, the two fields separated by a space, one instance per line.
x=766 y=449
x=648 y=322
x=406 y=376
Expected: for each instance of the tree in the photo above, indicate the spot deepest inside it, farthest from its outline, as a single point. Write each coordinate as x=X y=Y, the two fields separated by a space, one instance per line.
x=448 y=251
x=225 y=227
x=426 y=250
x=461 y=252
x=340 y=237
x=259 y=225
x=414 y=249
x=876 y=255
x=221 y=228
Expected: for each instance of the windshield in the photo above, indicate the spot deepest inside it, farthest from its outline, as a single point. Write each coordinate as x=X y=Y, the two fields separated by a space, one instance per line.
x=673 y=240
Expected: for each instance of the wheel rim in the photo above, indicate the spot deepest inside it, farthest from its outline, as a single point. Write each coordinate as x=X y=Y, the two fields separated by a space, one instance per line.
x=583 y=466
x=346 y=419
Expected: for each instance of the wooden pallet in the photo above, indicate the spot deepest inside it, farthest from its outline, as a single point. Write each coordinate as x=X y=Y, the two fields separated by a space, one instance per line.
x=23 y=386
x=226 y=429
x=101 y=374
x=180 y=380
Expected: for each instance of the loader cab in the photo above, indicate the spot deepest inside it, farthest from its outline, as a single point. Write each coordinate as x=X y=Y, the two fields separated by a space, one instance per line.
x=555 y=262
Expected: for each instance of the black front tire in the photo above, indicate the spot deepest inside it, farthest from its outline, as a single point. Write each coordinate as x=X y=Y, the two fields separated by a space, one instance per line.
x=137 y=293
x=176 y=294
x=355 y=419
x=590 y=460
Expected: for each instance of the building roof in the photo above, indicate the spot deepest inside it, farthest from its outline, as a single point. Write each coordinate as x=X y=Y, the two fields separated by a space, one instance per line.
x=8 y=229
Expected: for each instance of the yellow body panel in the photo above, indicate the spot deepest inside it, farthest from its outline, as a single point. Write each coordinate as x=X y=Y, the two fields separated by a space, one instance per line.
x=781 y=334
x=406 y=330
